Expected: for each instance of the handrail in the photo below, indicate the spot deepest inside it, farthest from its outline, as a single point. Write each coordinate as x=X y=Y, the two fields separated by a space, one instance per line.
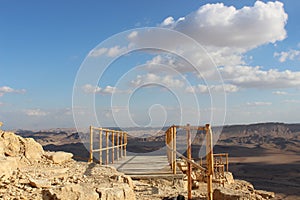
x=118 y=143
x=172 y=152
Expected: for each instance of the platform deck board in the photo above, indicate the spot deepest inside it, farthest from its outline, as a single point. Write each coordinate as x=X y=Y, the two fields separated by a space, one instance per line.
x=144 y=165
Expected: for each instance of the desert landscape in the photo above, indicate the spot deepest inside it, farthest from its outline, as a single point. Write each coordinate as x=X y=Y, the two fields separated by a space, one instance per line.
x=266 y=154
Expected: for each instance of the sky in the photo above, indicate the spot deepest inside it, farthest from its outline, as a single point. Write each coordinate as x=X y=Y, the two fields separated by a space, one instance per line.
x=246 y=69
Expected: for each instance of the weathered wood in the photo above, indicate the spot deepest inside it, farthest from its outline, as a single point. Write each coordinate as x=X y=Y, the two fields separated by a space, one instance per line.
x=174 y=150
x=189 y=166
x=118 y=140
x=91 y=144
x=100 y=147
x=107 y=150
x=113 y=146
x=210 y=162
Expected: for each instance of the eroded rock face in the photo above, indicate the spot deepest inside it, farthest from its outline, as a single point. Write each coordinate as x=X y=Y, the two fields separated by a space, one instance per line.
x=12 y=144
x=27 y=172
x=33 y=150
x=7 y=166
x=229 y=194
x=71 y=192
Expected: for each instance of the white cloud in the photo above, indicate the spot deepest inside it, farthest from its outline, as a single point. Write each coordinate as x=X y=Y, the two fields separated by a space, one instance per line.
x=258 y=103
x=35 y=112
x=287 y=55
x=6 y=89
x=115 y=51
x=108 y=90
x=255 y=77
x=291 y=101
x=213 y=88
x=226 y=33
x=132 y=35
x=88 y=88
x=226 y=26
x=110 y=52
x=279 y=93
x=98 y=52
x=150 y=78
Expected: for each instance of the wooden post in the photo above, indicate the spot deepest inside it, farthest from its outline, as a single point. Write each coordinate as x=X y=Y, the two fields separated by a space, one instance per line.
x=118 y=147
x=113 y=147
x=168 y=146
x=122 y=143
x=107 y=150
x=91 y=144
x=174 y=149
x=100 y=147
x=125 y=144
x=210 y=161
x=189 y=166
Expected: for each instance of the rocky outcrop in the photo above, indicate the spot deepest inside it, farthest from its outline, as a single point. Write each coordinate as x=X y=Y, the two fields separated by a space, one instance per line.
x=241 y=190
x=12 y=145
x=27 y=172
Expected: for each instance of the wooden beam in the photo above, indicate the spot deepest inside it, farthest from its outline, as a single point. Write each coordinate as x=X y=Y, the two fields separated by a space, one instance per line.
x=107 y=150
x=113 y=147
x=100 y=147
x=118 y=147
x=189 y=156
x=174 y=149
x=210 y=162
x=91 y=144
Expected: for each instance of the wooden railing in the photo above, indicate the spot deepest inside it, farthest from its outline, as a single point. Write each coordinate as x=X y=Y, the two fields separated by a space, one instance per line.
x=172 y=152
x=117 y=139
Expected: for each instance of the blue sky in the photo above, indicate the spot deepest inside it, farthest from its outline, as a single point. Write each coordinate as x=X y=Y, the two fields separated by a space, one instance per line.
x=43 y=44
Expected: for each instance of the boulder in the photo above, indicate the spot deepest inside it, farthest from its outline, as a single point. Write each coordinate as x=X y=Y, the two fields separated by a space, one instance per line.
x=33 y=150
x=117 y=192
x=229 y=194
x=71 y=192
x=12 y=144
x=59 y=157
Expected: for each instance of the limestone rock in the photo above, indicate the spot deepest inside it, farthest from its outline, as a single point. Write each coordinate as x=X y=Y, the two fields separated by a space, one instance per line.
x=33 y=150
x=128 y=180
x=7 y=166
x=71 y=192
x=229 y=177
x=59 y=157
x=12 y=144
x=229 y=194
x=265 y=194
x=39 y=183
x=2 y=147
x=117 y=192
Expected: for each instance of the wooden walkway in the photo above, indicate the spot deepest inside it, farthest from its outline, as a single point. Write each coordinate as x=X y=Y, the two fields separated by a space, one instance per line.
x=145 y=166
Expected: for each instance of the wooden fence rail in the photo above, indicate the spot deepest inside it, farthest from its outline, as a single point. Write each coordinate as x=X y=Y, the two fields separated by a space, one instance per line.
x=117 y=139
x=172 y=153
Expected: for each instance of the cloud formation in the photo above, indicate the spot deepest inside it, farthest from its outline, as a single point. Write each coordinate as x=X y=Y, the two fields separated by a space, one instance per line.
x=89 y=89
x=255 y=77
x=225 y=26
x=35 y=112
x=150 y=78
x=7 y=89
x=258 y=103
x=287 y=55
x=213 y=88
